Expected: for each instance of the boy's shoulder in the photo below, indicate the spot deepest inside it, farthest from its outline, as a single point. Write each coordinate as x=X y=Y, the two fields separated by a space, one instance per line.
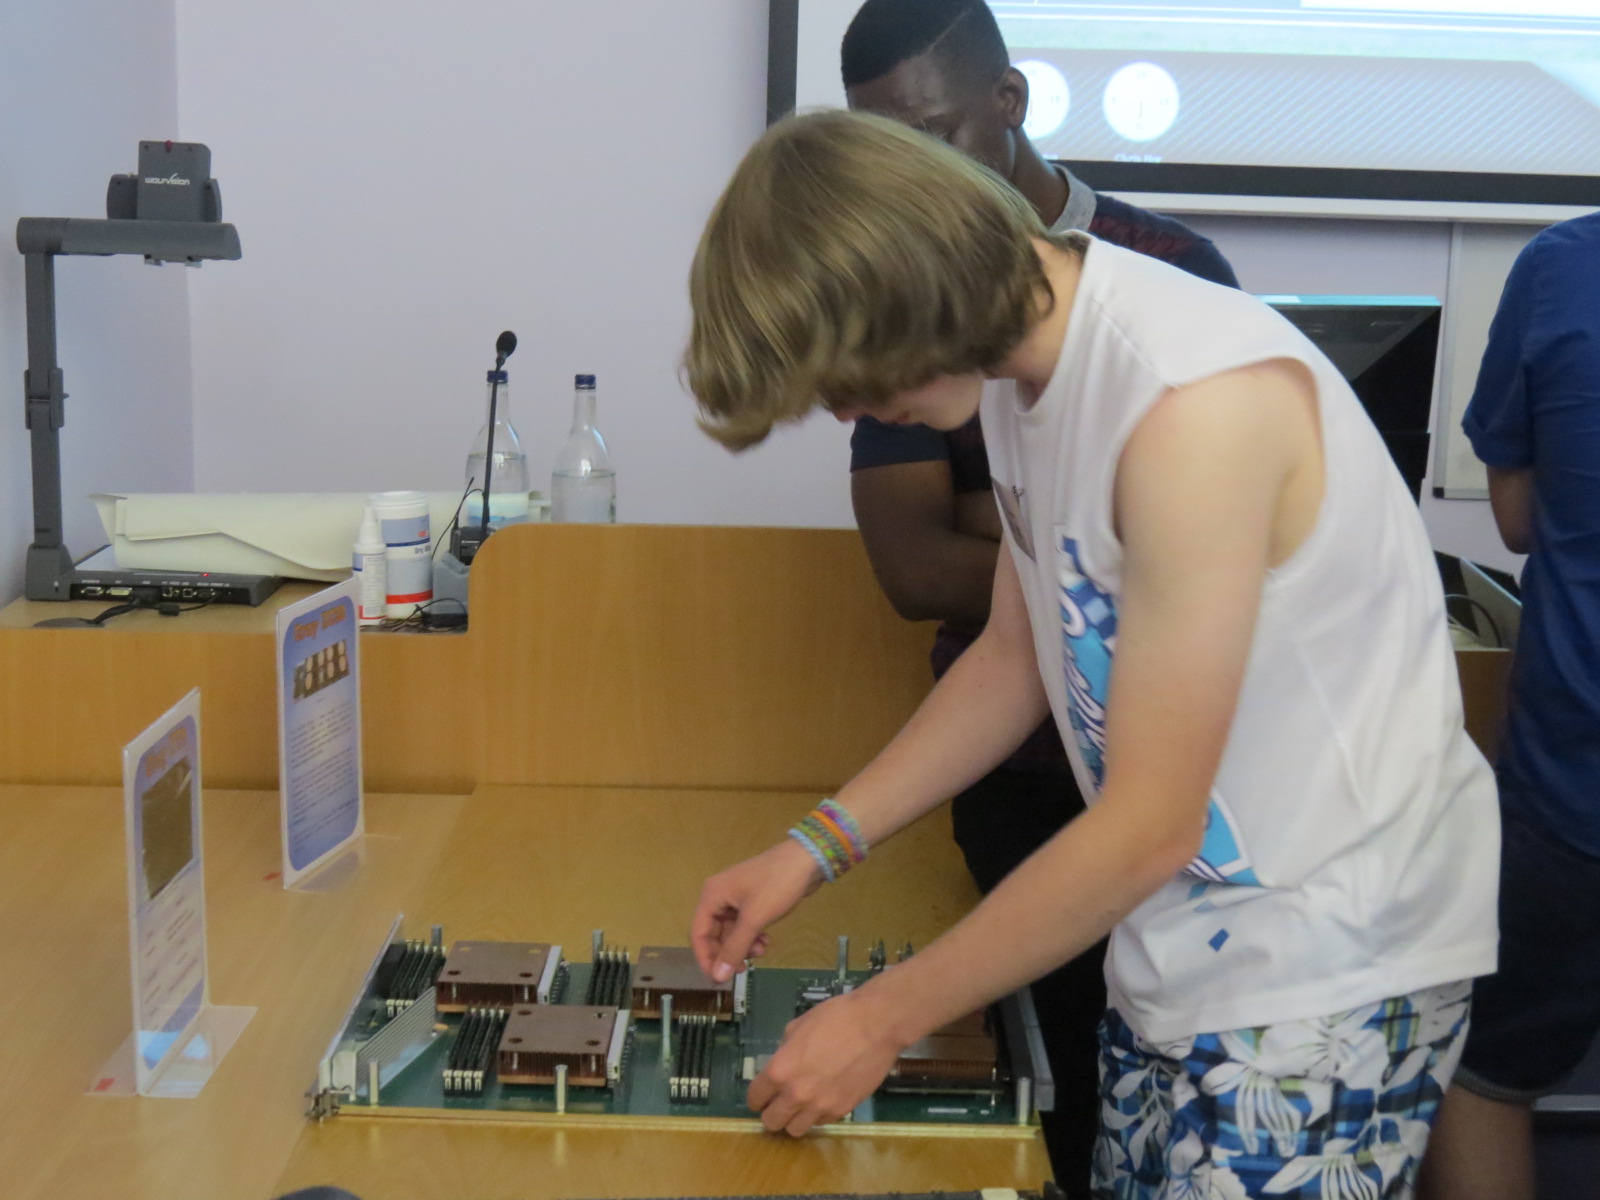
x=1175 y=323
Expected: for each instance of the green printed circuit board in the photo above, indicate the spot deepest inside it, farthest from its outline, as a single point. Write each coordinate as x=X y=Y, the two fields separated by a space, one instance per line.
x=515 y=1030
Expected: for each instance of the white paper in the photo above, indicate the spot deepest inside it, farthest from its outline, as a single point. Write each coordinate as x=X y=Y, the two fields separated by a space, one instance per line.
x=302 y=535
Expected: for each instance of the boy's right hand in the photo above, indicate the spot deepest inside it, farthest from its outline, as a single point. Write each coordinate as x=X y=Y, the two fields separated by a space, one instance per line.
x=736 y=906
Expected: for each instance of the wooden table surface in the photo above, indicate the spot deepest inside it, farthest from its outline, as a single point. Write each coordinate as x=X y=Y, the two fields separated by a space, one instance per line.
x=63 y=897
x=547 y=864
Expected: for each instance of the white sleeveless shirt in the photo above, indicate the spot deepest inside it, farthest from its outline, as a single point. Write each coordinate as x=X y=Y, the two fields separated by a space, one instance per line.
x=1352 y=845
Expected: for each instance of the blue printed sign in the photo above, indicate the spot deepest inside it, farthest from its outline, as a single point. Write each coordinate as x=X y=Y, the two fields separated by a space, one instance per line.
x=319 y=729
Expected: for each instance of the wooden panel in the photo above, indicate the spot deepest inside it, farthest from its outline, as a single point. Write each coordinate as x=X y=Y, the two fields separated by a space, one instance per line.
x=679 y=656
x=297 y=958
x=617 y=655
x=73 y=698
x=421 y=728
x=1485 y=674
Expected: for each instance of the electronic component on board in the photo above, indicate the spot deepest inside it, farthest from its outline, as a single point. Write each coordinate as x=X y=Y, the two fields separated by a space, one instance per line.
x=960 y=1057
x=414 y=974
x=481 y=1060
x=691 y=1075
x=878 y=958
x=473 y=1053
x=672 y=971
x=608 y=978
x=586 y=1039
x=497 y=975
x=810 y=996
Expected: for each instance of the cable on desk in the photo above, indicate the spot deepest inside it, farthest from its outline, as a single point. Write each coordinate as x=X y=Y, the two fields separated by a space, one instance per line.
x=167 y=608
x=147 y=598
x=454 y=517
x=1499 y=638
x=424 y=620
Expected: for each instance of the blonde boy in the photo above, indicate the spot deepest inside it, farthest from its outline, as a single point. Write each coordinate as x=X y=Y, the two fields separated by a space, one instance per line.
x=1218 y=585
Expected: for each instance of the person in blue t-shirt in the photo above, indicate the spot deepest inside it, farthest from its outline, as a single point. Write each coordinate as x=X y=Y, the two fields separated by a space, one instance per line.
x=922 y=497
x=1535 y=421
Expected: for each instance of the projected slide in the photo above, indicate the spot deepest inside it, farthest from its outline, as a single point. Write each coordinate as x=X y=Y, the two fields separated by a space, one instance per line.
x=1415 y=85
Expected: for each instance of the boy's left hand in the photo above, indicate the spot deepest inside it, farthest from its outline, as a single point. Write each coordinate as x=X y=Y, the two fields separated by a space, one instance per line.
x=832 y=1058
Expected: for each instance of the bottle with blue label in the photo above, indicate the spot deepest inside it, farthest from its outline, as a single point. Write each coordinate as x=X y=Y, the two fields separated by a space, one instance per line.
x=583 y=487
x=506 y=474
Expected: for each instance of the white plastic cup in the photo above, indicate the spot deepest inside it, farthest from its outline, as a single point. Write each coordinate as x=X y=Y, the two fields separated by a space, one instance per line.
x=407 y=550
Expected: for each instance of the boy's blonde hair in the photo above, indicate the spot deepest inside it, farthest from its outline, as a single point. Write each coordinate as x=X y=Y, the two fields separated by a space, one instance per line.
x=851 y=259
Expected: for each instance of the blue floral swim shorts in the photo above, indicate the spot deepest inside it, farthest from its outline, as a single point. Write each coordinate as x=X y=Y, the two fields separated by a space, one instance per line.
x=1329 y=1108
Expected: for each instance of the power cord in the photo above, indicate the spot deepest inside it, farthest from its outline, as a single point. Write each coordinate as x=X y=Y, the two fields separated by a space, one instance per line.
x=455 y=517
x=147 y=600
x=1499 y=638
x=426 y=620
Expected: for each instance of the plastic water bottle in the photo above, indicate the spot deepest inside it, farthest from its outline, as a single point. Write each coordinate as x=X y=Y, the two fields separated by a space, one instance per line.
x=583 y=487
x=508 y=482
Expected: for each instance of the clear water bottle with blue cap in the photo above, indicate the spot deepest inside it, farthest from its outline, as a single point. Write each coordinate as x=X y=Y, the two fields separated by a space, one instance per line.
x=583 y=487
x=506 y=474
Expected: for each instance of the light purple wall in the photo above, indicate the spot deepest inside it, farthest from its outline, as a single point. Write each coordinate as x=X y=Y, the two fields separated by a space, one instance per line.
x=81 y=82
x=408 y=184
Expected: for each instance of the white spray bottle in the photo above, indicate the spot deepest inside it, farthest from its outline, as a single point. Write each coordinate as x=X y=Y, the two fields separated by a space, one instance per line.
x=372 y=566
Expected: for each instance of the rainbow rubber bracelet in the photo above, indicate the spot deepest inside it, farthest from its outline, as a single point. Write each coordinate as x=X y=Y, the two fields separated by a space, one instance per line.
x=840 y=816
x=815 y=851
x=824 y=842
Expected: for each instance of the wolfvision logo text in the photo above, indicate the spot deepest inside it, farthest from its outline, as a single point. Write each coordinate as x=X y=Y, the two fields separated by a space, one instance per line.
x=173 y=180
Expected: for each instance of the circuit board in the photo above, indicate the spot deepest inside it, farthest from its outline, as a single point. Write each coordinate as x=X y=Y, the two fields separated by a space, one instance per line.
x=396 y=1055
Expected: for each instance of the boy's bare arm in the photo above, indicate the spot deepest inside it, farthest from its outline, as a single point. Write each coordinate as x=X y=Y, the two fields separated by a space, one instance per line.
x=1201 y=512
x=983 y=708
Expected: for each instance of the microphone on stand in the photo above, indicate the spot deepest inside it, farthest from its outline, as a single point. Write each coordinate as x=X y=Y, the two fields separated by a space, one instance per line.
x=504 y=346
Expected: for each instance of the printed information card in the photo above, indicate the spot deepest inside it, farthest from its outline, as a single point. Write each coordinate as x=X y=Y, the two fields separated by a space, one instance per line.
x=319 y=730
x=179 y=1037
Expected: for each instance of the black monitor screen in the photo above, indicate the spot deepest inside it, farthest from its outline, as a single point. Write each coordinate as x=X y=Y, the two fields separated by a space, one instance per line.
x=1385 y=346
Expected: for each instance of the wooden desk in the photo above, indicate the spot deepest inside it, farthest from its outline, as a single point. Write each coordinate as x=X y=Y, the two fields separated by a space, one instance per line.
x=297 y=957
x=552 y=864
x=528 y=863
x=661 y=660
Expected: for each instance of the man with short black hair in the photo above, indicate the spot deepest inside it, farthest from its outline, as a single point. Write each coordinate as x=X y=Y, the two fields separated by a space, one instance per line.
x=922 y=498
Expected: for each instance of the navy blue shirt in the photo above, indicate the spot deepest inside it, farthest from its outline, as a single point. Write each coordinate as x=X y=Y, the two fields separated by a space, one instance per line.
x=1537 y=404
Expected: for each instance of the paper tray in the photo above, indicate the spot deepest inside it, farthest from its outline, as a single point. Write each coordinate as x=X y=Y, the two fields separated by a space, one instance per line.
x=300 y=535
